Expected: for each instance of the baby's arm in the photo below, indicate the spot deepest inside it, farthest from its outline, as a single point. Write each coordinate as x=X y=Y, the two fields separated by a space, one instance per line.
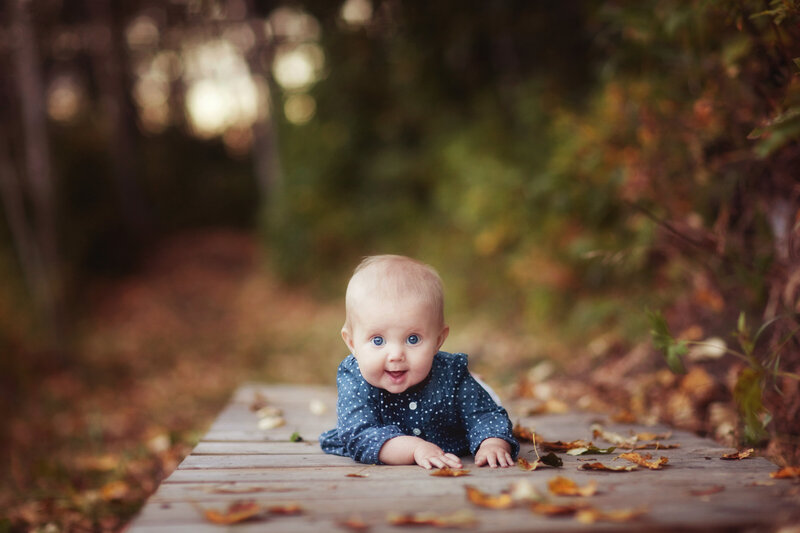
x=407 y=450
x=494 y=452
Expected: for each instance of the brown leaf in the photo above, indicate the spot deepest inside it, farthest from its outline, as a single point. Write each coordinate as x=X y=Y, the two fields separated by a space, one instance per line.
x=357 y=474
x=463 y=518
x=449 y=472
x=652 y=446
x=238 y=511
x=527 y=465
x=598 y=432
x=523 y=434
x=258 y=401
x=787 y=472
x=552 y=509
x=490 y=501
x=653 y=436
x=234 y=489
x=742 y=454
x=562 y=486
x=604 y=468
x=590 y=516
x=354 y=523
x=560 y=446
x=707 y=492
x=642 y=460
x=286 y=509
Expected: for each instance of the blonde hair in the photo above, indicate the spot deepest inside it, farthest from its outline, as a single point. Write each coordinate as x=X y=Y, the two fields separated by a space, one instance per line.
x=394 y=276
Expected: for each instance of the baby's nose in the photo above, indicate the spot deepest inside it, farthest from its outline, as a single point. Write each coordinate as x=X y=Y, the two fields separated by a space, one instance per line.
x=396 y=353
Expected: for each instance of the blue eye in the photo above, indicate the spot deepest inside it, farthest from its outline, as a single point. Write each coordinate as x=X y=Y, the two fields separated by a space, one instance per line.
x=413 y=339
x=377 y=340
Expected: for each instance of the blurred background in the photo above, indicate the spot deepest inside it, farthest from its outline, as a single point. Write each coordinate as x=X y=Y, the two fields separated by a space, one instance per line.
x=610 y=191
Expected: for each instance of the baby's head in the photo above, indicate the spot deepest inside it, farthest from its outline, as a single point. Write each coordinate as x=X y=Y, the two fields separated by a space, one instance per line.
x=394 y=320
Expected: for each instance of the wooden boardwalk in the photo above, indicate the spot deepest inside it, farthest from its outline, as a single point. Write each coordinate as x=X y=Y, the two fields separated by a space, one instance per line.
x=238 y=461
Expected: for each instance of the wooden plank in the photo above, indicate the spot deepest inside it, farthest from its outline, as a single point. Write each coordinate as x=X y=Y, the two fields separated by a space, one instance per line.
x=236 y=460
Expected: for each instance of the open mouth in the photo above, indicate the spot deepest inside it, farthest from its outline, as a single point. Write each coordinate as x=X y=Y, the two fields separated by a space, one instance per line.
x=396 y=375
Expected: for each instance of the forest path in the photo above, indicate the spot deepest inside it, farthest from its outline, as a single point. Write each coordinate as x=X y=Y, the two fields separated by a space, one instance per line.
x=236 y=460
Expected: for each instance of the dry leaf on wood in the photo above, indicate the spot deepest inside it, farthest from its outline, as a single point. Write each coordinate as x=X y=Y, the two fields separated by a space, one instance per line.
x=238 y=511
x=553 y=509
x=463 y=518
x=354 y=523
x=490 y=501
x=562 y=486
x=560 y=446
x=591 y=450
x=590 y=516
x=286 y=509
x=787 y=472
x=644 y=460
x=742 y=454
x=234 y=489
x=604 y=468
x=449 y=472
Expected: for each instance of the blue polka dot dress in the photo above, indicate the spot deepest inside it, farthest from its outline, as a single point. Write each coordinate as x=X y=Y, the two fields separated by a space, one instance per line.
x=449 y=408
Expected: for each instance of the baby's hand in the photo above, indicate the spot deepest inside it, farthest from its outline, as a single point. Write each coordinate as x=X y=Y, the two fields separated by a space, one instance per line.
x=494 y=452
x=428 y=455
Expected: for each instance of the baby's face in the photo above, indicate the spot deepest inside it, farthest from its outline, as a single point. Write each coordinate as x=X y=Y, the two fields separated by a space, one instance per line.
x=394 y=341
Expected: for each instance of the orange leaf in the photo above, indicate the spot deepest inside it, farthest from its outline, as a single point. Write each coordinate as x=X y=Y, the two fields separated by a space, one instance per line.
x=490 y=501
x=357 y=474
x=286 y=509
x=462 y=518
x=354 y=523
x=527 y=465
x=449 y=472
x=562 y=486
x=238 y=511
x=523 y=434
x=552 y=509
x=642 y=460
x=590 y=516
x=603 y=468
x=787 y=472
x=742 y=454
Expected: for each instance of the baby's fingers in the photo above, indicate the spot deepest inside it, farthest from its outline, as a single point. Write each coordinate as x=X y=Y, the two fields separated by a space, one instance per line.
x=451 y=460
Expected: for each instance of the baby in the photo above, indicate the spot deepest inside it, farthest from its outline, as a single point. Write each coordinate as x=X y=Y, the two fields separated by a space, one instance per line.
x=401 y=400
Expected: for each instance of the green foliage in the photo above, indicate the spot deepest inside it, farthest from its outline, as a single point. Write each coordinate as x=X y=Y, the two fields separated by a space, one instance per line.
x=663 y=341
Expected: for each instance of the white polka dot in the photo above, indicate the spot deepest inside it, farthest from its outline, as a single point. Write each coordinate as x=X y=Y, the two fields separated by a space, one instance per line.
x=412 y=405
x=416 y=431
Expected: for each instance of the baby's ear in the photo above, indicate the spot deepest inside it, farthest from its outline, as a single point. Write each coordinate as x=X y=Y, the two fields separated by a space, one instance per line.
x=348 y=339
x=443 y=336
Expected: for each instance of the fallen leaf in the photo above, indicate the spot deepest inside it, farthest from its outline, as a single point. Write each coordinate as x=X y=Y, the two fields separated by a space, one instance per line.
x=449 y=472
x=598 y=432
x=238 y=511
x=787 y=472
x=643 y=460
x=552 y=509
x=490 y=501
x=527 y=465
x=296 y=437
x=560 y=446
x=652 y=446
x=590 y=516
x=524 y=491
x=562 y=486
x=269 y=411
x=463 y=519
x=591 y=450
x=258 y=401
x=742 y=454
x=115 y=490
x=707 y=492
x=604 y=468
x=550 y=459
x=271 y=422
x=234 y=489
x=523 y=434
x=286 y=509
x=357 y=474
x=354 y=523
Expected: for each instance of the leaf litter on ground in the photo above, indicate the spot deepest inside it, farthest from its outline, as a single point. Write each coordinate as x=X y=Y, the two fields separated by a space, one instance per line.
x=450 y=472
x=463 y=518
x=562 y=486
x=741 y=454
x=644 y=460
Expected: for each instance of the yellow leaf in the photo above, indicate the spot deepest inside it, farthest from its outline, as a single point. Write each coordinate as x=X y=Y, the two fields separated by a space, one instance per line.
x=449 y=472
x=743 y=454
x=642 y=460
x=490 y=501
x=552 y=509
x=604 y=468
x=463 y=518
x=590 y=516
x=286 y=509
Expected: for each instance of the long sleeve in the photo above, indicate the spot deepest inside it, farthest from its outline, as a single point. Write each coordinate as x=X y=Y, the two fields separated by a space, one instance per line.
x=360 y=431
x=482 y=417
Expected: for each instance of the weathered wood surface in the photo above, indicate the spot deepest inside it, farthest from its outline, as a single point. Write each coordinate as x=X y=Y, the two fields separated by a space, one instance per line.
x=236 y=456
